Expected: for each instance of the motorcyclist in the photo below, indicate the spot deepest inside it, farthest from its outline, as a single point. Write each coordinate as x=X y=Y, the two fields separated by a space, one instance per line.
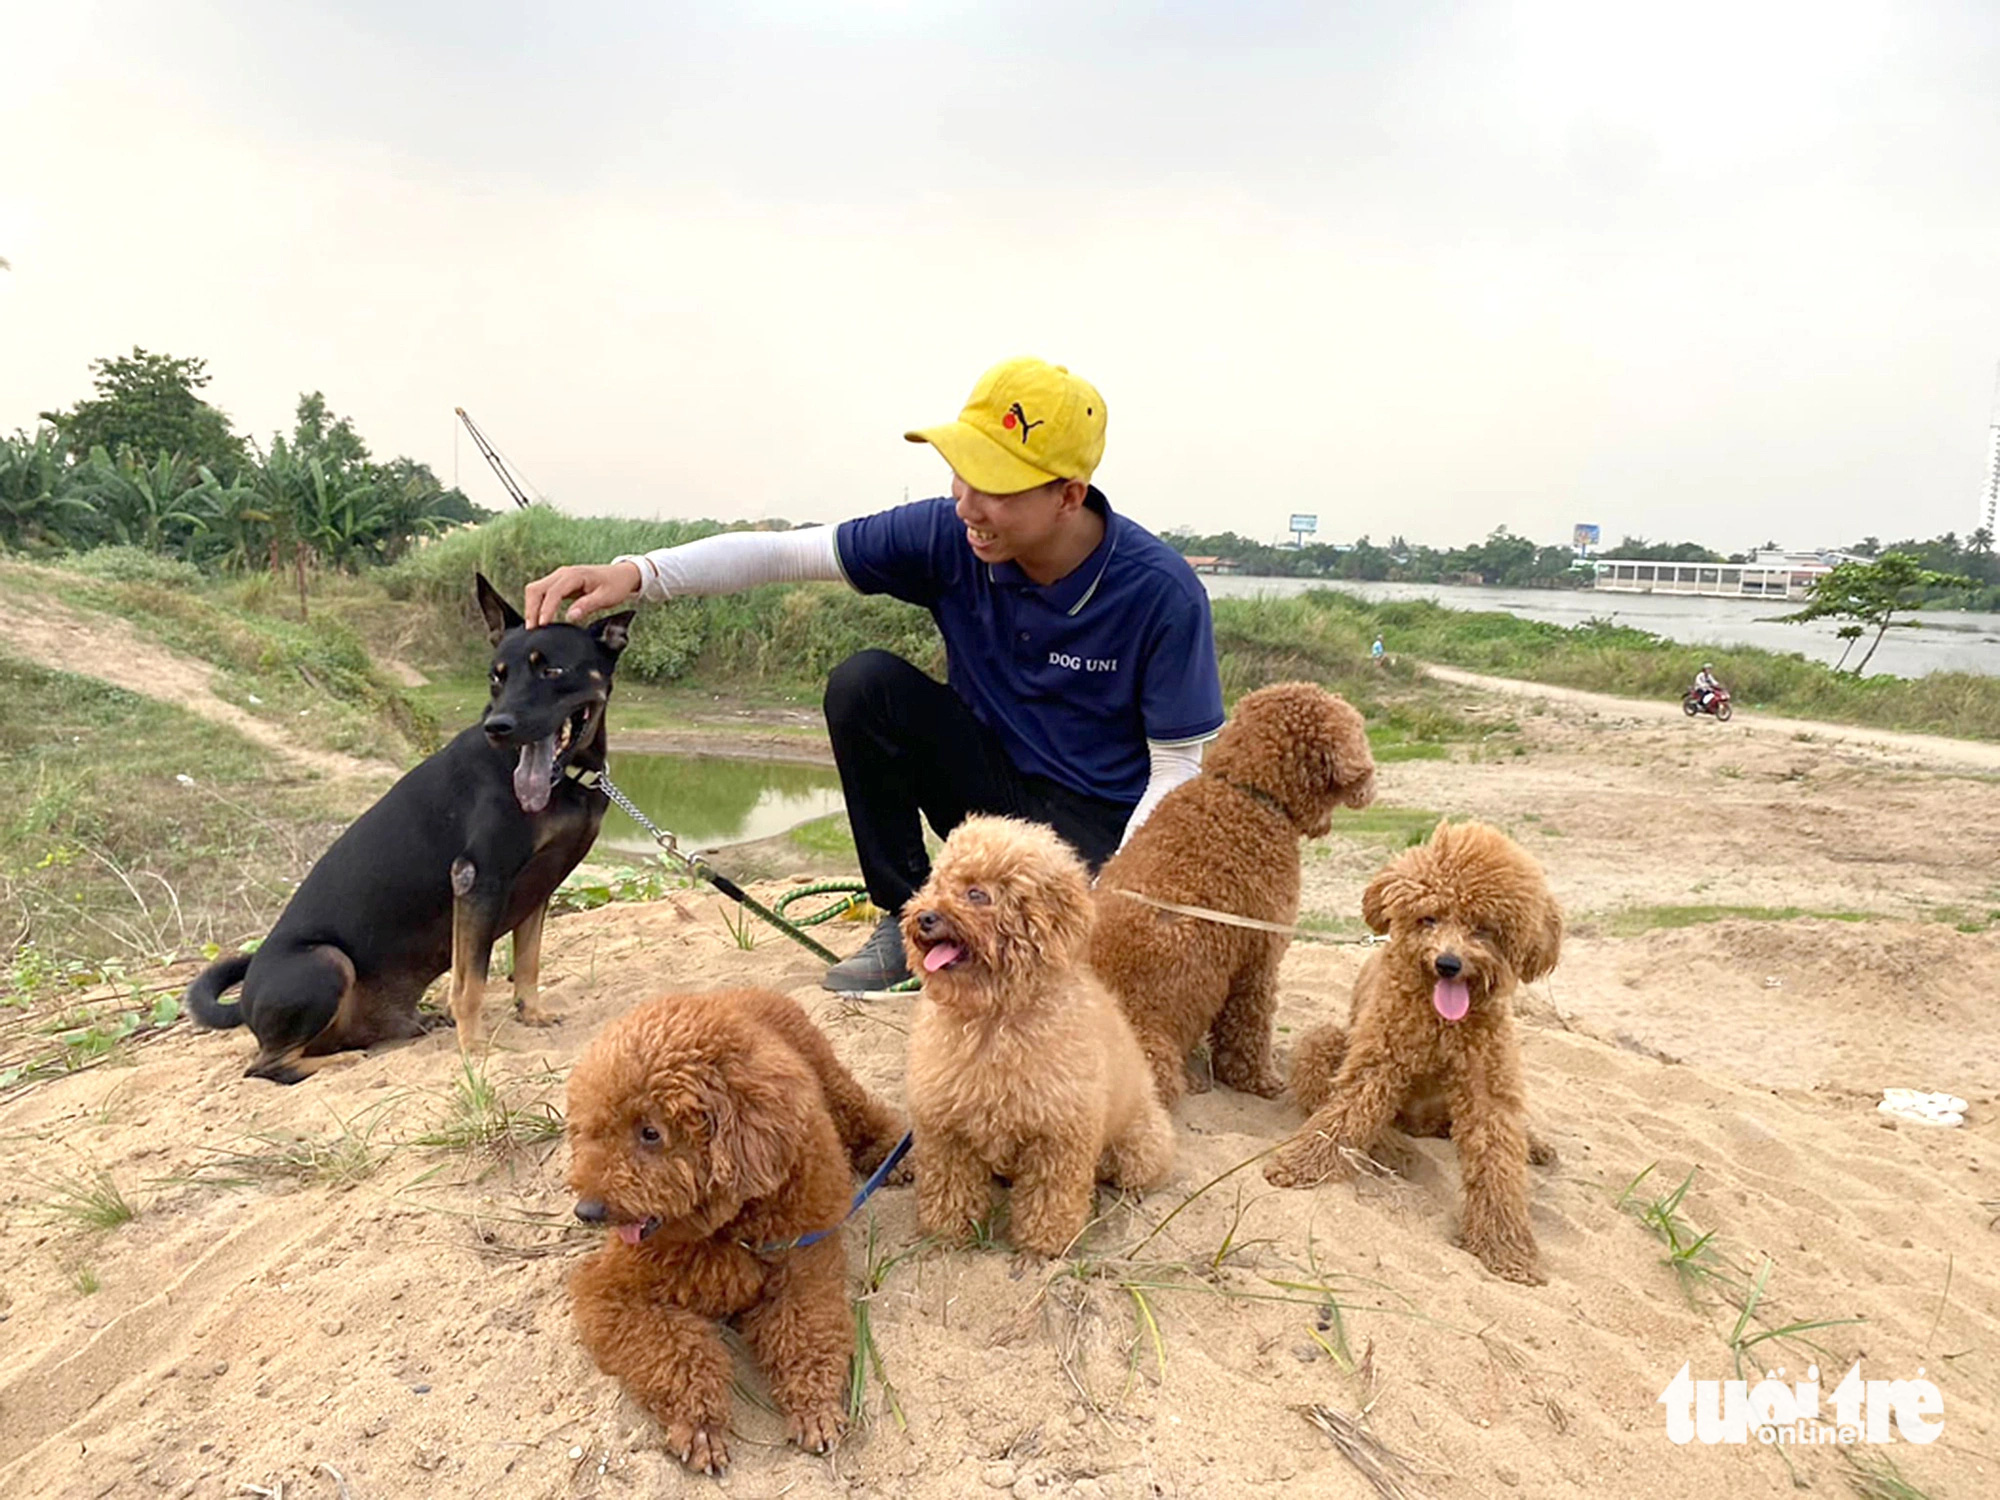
x=1706 y=686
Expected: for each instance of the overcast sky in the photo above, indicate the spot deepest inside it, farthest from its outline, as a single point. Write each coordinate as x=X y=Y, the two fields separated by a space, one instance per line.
x=1726 y=272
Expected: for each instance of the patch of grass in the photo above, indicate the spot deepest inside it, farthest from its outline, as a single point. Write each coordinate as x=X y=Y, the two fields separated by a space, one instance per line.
x=1633 y=920
x=1873 y=1475
x=1394 y=827
x=1322 y=634
x=85 y=1279
x=867 y=1358
x=483 y=1113
x=105 y=850
x=318 y=671
x=91 y=1016
x=588 y=887
x=1700 y=1266
x=92 y=1201
x=1395 y=750
x=739 y=922
x=1694 y=1258
x=829 y=837
x=349 y=1155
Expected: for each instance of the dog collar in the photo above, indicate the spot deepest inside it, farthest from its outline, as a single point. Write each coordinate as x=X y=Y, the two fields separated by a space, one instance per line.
x=581 y=776
x=889 y=1164
x=1258 y=794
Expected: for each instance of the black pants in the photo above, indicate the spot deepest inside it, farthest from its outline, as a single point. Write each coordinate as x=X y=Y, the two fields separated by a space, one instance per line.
x=908 y=748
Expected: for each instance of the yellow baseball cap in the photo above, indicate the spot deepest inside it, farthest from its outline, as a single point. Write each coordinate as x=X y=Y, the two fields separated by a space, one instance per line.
x=1025 y=423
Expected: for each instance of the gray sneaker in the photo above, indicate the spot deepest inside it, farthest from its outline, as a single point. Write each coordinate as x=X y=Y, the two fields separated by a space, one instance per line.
x=877 y=965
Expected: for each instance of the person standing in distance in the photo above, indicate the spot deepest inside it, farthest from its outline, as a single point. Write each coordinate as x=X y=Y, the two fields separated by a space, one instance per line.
x=1081 y=672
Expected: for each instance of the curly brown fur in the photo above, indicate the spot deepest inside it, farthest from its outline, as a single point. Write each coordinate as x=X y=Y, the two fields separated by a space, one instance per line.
x=1469 y=917
x=703 y=1126
x=1227 y=840
x=1020 y=1063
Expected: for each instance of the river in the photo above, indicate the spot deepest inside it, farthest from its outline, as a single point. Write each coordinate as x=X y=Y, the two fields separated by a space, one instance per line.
x=1949 y=640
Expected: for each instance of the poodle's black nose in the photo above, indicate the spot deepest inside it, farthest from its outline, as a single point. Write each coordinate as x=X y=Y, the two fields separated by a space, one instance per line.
x=1448 y=965
x=498 y=726
x=592 y=1211
x=927 y=922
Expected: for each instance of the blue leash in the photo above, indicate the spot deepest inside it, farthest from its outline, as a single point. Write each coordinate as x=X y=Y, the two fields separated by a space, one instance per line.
x=867 y=1191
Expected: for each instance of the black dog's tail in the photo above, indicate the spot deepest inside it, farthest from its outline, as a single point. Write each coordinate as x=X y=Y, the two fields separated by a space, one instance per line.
x=204 y=997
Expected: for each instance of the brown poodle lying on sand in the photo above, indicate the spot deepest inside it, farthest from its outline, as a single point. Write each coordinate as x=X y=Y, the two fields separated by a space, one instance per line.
x=1227 y=841
x=705 y=1131
x=1430 y=1044
x=1020 y=1063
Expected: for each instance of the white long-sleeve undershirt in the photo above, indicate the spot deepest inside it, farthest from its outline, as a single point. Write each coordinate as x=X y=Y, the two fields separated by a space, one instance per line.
x=737 y=560
x=1169 y=766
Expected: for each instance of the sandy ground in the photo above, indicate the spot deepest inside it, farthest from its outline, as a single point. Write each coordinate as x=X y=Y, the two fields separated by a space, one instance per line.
x=270 y=1320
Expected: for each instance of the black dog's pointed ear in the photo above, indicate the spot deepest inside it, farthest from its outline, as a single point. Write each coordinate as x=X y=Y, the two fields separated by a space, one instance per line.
x=501 y=616
x=613 y=632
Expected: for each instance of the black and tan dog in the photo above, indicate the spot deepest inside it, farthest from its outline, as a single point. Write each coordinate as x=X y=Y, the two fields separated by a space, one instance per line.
x=465 y=848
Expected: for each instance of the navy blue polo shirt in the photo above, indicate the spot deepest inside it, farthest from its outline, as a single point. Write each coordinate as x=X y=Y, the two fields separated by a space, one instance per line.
x=1074 y=676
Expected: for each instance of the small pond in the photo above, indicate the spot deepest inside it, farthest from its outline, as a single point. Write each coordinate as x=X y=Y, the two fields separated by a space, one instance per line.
x=710 y=800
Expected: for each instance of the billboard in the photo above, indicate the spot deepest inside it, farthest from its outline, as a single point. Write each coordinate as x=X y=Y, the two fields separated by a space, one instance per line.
x=1304 y=524
x=1585 y=539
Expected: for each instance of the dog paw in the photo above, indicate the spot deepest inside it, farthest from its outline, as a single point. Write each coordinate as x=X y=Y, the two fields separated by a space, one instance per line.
x=1026 y=1263
x=699 y=1446
x=815 y=1431
x=1523 y=1272
x=1304 y=1167
x=537 y=1015
x=1263 y=1085
x=1511 y=1263
x=1541 y=1153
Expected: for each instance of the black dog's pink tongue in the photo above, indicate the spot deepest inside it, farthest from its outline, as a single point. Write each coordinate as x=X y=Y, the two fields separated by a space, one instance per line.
x=939 y=956
x=533 y=773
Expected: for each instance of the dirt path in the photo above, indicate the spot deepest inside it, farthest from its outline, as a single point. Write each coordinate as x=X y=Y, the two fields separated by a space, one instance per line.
x=1931 y=748
x=109 y=649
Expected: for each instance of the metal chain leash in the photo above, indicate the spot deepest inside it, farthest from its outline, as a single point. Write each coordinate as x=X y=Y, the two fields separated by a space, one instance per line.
x=695 y=865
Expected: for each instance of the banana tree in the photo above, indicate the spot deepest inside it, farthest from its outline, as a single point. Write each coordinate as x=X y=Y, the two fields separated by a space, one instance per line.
x=40 y=509
x=157 y=506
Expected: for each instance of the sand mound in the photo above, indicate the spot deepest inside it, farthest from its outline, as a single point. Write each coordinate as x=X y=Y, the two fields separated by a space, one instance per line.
x=410 y=1328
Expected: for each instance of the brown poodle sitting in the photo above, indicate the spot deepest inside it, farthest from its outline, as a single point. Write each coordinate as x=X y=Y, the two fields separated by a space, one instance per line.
x=1430 y=1044
x=1020 y=1063
x=706 y=1132
x=1227 y=841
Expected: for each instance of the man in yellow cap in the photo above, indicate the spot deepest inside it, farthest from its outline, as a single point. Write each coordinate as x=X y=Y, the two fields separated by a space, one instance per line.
x=1081 y=668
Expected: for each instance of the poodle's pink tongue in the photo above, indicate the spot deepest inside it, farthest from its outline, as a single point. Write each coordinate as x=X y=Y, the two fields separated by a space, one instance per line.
x=1452 y=999
x=939 y=956
x=631 y=1234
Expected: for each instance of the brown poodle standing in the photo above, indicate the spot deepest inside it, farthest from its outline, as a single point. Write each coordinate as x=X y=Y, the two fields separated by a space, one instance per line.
x=1020 y=1063
x=1431 y=1043
x=706 y=1131
x=1227 y=841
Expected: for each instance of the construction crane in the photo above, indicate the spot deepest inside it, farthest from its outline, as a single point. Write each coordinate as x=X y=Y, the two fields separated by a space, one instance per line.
x=507 y=479
x=1992 y=497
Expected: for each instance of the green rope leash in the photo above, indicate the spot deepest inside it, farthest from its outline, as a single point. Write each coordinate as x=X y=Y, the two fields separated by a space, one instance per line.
x=854 y=896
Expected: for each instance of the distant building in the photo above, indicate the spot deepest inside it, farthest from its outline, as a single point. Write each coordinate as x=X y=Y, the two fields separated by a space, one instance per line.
x=1215 y=564
x=1767 y=574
